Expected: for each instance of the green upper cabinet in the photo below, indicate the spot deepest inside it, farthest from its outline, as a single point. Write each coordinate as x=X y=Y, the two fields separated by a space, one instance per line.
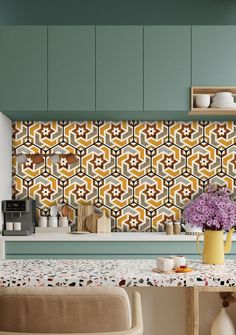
x=167 y=68
x=23 y=68
x=119 y=68
x=71 y=68
x=214 y=55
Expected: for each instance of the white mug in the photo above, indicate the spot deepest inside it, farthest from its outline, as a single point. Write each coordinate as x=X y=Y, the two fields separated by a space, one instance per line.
x=63 y=221
x=165 y=264
x=9 y=225
x=203 y=100
x=43 y=222
x=17 y=225
x=53 y=222
x=179 y=261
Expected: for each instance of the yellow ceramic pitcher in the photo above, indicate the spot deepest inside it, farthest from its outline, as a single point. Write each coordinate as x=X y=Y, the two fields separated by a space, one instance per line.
x=214 y=249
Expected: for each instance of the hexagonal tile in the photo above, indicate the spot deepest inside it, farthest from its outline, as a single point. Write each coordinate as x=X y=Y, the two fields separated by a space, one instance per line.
x=150 y=193
x=132 y=162
x=115 y=192
x=184 y=189
x=81 y=134
x=46 y=191
x=151 y=134
x=186 y=134
x=97 y=162
x=133 y=219
x=28 y=170
x=168 y=161
x=203 y=162
x=45 y=134
x=80 y=190
x=116 y=134
x=63 y=169
x=220 y=134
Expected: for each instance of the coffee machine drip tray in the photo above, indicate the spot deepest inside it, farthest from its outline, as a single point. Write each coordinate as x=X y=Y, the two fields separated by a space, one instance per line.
x=18 y=232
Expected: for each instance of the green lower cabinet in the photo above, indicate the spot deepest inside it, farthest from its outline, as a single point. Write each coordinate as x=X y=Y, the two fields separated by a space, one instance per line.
x=101 y=250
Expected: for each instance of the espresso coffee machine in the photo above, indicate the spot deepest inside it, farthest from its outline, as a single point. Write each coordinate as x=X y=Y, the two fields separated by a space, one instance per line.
x=19 y=217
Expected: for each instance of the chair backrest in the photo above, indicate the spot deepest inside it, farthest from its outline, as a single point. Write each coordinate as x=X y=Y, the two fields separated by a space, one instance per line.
x=64 y=310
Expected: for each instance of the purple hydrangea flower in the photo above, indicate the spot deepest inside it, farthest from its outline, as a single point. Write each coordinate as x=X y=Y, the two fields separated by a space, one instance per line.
x=213 y=210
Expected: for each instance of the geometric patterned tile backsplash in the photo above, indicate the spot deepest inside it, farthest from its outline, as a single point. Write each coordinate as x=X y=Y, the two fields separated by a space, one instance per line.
x=141 y=172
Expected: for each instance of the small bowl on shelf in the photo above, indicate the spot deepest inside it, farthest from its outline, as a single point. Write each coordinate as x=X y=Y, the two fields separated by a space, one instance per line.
x=203 y=100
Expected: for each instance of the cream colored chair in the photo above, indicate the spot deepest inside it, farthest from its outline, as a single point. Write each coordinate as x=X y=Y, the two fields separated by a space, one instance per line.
x=67 y=310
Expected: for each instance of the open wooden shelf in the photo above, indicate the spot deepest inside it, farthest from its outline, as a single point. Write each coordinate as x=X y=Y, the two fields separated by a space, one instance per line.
x=211 y=91
x=192 y=305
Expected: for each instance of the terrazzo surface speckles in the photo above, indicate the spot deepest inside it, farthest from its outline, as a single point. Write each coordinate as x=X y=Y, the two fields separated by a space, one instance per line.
x=124 y=273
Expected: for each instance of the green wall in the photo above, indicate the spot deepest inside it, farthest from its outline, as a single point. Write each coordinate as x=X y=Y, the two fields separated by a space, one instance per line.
x=118 y=12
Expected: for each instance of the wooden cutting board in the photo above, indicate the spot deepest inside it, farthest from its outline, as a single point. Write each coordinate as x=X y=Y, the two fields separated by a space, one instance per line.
x=91 y=223
x=83 y=212
x=88 y=219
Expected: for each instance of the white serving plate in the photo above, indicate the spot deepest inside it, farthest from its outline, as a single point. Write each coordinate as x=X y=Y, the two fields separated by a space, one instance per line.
x=213 y=105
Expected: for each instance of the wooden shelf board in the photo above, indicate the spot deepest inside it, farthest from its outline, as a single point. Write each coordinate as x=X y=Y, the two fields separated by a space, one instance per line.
x=212 y=90
x=212 y=111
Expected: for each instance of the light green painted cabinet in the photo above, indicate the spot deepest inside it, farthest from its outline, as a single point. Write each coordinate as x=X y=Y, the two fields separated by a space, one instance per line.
x=111 y=72
x=102 y=249
x=214 y=55
x=23 y=68
x=71 y=68
x=119 y=68
x=167 y=68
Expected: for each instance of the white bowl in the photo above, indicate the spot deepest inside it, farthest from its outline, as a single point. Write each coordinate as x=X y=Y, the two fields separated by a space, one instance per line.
x=203 y=100
x=222 y=100
x=223 y=94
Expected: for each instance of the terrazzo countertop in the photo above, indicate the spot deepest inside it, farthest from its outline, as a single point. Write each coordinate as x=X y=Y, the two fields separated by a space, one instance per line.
x=111 y=273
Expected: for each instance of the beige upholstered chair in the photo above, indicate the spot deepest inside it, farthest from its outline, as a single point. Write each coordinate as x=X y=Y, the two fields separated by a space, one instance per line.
x=66 y=310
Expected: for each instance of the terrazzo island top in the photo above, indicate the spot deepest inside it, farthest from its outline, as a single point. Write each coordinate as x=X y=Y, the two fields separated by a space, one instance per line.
x=122 y=273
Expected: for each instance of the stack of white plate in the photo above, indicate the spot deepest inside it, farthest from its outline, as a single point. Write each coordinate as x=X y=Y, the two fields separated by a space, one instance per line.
x=223 y=100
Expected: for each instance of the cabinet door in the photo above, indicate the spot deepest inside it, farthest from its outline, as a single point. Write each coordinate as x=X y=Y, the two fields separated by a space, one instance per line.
x=119 y=68
x=214 y=55
x=71 y=68
x=23 y=68
x=167 y=68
